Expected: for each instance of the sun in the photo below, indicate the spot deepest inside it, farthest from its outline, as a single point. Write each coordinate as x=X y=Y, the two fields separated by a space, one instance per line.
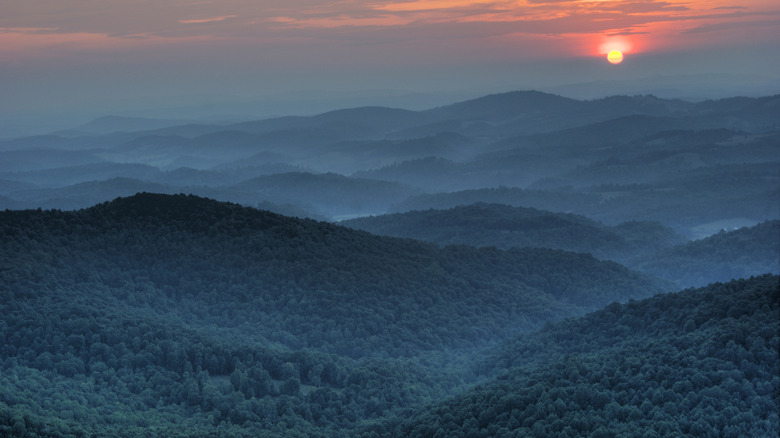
x=615 y=57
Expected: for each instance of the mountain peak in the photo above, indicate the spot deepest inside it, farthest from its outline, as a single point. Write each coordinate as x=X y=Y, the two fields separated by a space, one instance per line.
x=507 y=105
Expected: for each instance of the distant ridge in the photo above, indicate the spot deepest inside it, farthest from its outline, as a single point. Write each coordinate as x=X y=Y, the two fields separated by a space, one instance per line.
x=109 y=124
x=503 y=226
x=506 y=105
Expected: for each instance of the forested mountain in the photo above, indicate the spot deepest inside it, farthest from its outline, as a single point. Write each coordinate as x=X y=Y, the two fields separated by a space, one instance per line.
x=199 y=315
x=624 y=158
x=327 y=194
x=734 y=254
x=700 y=362
x=36 y=159
x=321 y=195
x=645 y=246
x=189 y=317
x=506 y=227
x=747 y=192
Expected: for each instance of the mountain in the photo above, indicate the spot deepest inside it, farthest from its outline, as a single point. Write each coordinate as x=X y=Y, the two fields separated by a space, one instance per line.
x=328 y=194
x=80 y=195
x=349 y=123
x=10 y=186
x=648 y=247
x=110 y=124
x=431 y=172
x=689 y=87
x=729 y=254
x=37 y=159
x=614 y=159
x=505 y=227
x=192 y=317
x=66 y=175
x=507 y=106
x=686 y=202
x=696 y=363
x=321 y=195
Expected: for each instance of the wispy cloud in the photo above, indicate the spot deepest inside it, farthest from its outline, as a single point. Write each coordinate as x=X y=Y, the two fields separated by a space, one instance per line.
x=26 y=42
x=432 y=5
x=608 y=16
x=717 y=27
x=381 y=20
x=208 y=20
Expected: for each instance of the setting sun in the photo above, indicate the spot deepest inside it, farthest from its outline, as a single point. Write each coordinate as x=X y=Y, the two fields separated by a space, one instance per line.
x=615 y=57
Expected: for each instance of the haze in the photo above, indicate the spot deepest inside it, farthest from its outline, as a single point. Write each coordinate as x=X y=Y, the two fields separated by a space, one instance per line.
x=64 y=62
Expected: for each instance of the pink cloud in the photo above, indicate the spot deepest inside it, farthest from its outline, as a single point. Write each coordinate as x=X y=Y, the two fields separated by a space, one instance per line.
x=96 y=25
x=429 y=5
x=208 y=20
x=30 y=42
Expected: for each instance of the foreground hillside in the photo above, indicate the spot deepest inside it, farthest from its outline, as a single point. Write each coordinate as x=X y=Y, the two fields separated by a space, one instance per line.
x=696 y=363
x=165 y=315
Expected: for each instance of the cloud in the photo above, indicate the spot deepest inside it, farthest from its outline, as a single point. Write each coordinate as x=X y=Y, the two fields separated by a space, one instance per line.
x=340 y=21
x=627 y=33
x=728 y=25
x=208 y=20
x=607 y=16
x=431 y=5
x=362 y=21
x=27 y=42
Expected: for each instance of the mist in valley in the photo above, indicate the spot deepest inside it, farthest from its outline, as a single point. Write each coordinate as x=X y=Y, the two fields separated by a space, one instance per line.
x=517 y=264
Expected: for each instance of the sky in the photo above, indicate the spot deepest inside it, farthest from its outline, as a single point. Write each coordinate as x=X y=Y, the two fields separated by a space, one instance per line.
x=88 y=56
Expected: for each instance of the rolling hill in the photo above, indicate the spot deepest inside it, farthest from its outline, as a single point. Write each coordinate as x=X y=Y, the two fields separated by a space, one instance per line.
x=625 y=157
x=740 y=253
x=506 y=227
x=192 y=317
x=648 y=247
x=696 y=363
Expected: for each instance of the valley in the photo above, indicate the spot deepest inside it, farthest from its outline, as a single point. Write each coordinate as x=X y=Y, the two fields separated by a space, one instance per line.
x=520 y=264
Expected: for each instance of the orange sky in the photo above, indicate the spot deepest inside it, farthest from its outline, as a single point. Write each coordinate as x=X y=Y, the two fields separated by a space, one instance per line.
x=32 y=27
x=293 y=44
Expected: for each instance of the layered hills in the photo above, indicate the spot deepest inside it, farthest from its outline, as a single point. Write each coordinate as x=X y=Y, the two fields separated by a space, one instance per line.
x=645 y=246
x=622 y=158
x=507 y=227
x=508 y=230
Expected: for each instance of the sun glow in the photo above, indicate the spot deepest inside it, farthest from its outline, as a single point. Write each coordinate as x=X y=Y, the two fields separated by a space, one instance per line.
x=615 y=57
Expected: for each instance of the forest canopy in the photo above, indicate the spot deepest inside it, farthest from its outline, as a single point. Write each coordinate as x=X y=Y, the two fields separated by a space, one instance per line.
x=193 y=317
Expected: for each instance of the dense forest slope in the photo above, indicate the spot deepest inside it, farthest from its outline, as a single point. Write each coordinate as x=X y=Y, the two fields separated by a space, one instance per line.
x=648 y=247
x=697 y=363
x=189 y=317
x=506 y=227
x=734 y=254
